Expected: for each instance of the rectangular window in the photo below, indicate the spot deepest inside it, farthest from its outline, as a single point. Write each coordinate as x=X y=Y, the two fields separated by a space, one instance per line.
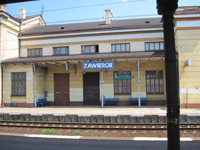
x=61 y=50
x=87 y=49
x=154 y=46
x=154 y=82
x=120 y=47
x=122 y=86
x=19 y=84
x=35 y=52
x=122 y=82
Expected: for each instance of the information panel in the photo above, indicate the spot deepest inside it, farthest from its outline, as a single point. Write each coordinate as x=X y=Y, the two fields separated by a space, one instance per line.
x=102 y=65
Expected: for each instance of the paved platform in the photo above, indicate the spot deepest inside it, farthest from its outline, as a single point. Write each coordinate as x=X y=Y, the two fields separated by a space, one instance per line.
x=108 y=114
x=97 y=110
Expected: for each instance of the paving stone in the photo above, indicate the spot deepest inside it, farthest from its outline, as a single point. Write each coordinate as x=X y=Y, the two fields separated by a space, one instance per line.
x=140 y=119
x=154 y=118
x=81 y=119
x=198 y=119
x=68 y=118
x=147 y=119
x=183 y=118
x=27 y=117
x=8 y=117
x=106 y=119
x=62 y=119
x=100 y=118
x=16 y=117
x=133 y=119
x=74 y=118
x=127 y=119
x=33 y=118
x=162 y=119
x=87 y=119
x=45 y=118
x=120 y=119
x=113 y=119
x=1 y=116
x=191 y=119
x=50 y=118
x=94 y=118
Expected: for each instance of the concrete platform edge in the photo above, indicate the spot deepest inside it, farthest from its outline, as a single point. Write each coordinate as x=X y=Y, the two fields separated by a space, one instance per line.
x=95 y=138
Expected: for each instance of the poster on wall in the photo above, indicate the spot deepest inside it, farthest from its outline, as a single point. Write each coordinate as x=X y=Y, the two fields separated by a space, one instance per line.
x=122 y=74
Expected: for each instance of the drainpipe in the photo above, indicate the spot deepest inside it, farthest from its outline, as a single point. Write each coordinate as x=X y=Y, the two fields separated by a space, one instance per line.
x=19 y=39
x=138 y=81
x=102 y=82
x=34 y=71
x=187 y=99
x=2 y=103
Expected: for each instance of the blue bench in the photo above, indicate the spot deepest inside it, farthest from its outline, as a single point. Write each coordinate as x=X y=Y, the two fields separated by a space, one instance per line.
x=42 y=102
x=135 y=100
x=111 y=101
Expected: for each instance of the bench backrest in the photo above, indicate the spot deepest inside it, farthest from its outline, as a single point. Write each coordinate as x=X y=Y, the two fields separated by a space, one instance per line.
x=136 y=99
x=111 y=99
x=133 y=99
x=42 y=100
x=144 y=99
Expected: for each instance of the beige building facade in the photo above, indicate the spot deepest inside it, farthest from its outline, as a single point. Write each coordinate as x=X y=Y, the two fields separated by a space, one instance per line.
x=51 y=59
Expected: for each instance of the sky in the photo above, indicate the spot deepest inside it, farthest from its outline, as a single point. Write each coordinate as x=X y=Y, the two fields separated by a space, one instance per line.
x=75 y=11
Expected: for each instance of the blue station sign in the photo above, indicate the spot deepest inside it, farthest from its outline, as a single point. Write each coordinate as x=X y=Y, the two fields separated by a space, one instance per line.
x=102 y=65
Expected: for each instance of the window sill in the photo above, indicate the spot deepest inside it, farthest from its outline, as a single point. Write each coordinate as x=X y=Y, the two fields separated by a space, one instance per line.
x=17 y=95
x=34 y=56
x=90 y=53
x=60 y=54
x=154 y=50
x=155 y=93
x=122 y=93
x=121 y=52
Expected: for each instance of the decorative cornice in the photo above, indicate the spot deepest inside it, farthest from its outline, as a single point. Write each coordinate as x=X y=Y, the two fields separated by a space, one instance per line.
x=166 y=5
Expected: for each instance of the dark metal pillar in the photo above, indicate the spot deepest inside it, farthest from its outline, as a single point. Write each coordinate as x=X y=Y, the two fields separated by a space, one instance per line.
x=166 y=8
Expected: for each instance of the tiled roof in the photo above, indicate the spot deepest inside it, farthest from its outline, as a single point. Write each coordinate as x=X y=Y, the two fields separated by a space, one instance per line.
x=92 y=26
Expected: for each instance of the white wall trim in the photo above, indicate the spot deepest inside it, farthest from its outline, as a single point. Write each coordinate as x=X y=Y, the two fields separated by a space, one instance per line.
x=186 y=16
x=94 y=38
x=98 y=32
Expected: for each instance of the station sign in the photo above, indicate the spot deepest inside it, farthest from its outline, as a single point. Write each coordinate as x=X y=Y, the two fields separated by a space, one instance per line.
x=102 y=65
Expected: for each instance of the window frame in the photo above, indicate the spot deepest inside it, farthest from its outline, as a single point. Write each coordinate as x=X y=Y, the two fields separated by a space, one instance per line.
x=154 y=46
x=154 y=81
x=34 y=49
x=120 y=47
x=122 y=87
x=61 y=50
x=95 y=49
x=18 y=80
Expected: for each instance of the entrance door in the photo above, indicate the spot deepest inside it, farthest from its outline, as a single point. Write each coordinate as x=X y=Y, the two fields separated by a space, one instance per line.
x=91 y=88
x=61 y=89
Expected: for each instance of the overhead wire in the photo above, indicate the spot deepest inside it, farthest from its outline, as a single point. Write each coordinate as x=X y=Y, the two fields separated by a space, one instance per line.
x=132 y=16
x=83 y=6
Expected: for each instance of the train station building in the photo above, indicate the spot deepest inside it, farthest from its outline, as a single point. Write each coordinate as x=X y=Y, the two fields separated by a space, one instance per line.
x=70 y=64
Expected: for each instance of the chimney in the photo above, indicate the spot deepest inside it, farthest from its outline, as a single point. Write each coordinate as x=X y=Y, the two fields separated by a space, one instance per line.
x=109 y=16
x=22 y=13
x=3 y=7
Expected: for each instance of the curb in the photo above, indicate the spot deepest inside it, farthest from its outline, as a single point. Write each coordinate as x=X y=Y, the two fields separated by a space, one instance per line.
x=96 y=138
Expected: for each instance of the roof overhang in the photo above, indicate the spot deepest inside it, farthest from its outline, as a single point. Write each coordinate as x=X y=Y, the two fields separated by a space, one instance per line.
x=120 y=57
